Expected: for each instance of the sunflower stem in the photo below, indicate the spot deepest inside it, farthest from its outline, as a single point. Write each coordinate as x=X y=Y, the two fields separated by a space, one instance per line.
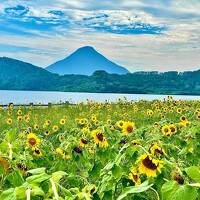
x=157 y=195
x=54 y=189
x=143 y=149
x=28 y=194
x=10 y=151
x=194 y=185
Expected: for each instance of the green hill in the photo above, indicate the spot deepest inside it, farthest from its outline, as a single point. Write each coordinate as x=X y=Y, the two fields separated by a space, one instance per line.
x=18 y=75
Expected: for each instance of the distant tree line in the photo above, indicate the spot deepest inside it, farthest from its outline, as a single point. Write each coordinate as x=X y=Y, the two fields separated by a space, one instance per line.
x=17 y=75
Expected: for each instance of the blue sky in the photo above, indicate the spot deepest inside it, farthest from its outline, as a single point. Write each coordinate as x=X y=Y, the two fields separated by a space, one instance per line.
x=147 y=35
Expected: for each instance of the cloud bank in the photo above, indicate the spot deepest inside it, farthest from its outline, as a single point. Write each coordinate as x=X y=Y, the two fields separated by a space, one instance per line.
x=140 y=35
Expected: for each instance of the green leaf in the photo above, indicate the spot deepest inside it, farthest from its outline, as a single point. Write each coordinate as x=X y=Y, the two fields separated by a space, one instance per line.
x=11 y=135
x=172 y=190
x=20 y=192
x=194 y=173
x=15 y=178
x=117 y=171
x=134 y=189
x=58 y=175
x=168 y=189
x=94 y=173
x=37 y=171
x=8 y=194
x=35 y=179
x=37 y=191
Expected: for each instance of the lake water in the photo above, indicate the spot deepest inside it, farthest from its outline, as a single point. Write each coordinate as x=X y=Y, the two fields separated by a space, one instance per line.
x=25 y=97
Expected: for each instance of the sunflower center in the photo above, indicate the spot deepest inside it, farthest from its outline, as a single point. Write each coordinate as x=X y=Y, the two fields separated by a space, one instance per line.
x=166 y=130
x=129 y=129
x=100 y=136
x=135 y=177
x=173 y=129
x=84 y=141
x=32 y=141
x=149 y=164
x=37 y=151
x=158 y=151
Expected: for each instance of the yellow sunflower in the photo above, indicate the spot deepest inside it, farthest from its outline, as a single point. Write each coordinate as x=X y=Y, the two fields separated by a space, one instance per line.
x=83 y=142
x=156 y=150
x=55 y=128
x=128 y=128
x=166 y=130
x=99 y=138
x=37 y=152
x=183 y=119
x=134 y=176
x=9 y=121
x=120 y=124
x=184 y=123
x=19 y=112
x=19 y=118
x=63 y=121
x=35 y=127
x=149 y=165
x=173 y=128
x=179 y=110
x=149 y=112
x=32 y=140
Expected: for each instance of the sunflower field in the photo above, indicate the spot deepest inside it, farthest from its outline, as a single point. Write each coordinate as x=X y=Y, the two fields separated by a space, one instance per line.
x=92 y=151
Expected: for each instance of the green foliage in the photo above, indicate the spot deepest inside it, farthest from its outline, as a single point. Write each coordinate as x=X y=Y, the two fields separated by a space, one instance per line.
x=171 y=190
x=82 y=152
x=23 y=76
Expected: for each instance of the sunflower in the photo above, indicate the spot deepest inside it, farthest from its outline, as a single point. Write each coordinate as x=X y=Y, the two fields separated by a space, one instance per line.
x=37 y=152
x=149 y=112
x=83 y=142
x=198 y=110
x=93 y=118
x=179 y=110
x=9 y=121
x=99 y=138
x=128 y=128
x=156 y=124
x=96 y=123
x=35 y=127
x=156 y=150
x=134 y=176
x=63 y=121
x=111 y=127
x=184 y=123
x=61 y=138
x=136 y=142
x=81 y=122
x=47 y=122
x=173 y=128
x=60 y=152
x=46 y=132
x=166 y=130
x=19 y=112
x=120 y=124
x=183 y=118
x=32 y=140
x=19 y=118
x=149 y=165
x=55 y=128
x=198 y=116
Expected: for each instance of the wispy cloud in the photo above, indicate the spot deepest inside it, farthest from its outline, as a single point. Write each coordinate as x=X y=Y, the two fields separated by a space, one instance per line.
x=140 y=34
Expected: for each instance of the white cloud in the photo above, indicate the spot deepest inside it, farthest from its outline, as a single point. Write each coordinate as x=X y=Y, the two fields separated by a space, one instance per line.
x=177 y=48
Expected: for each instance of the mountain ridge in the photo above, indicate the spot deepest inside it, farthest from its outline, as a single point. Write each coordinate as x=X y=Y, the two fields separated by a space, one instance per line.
x=18 y=75
x=85 y=61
